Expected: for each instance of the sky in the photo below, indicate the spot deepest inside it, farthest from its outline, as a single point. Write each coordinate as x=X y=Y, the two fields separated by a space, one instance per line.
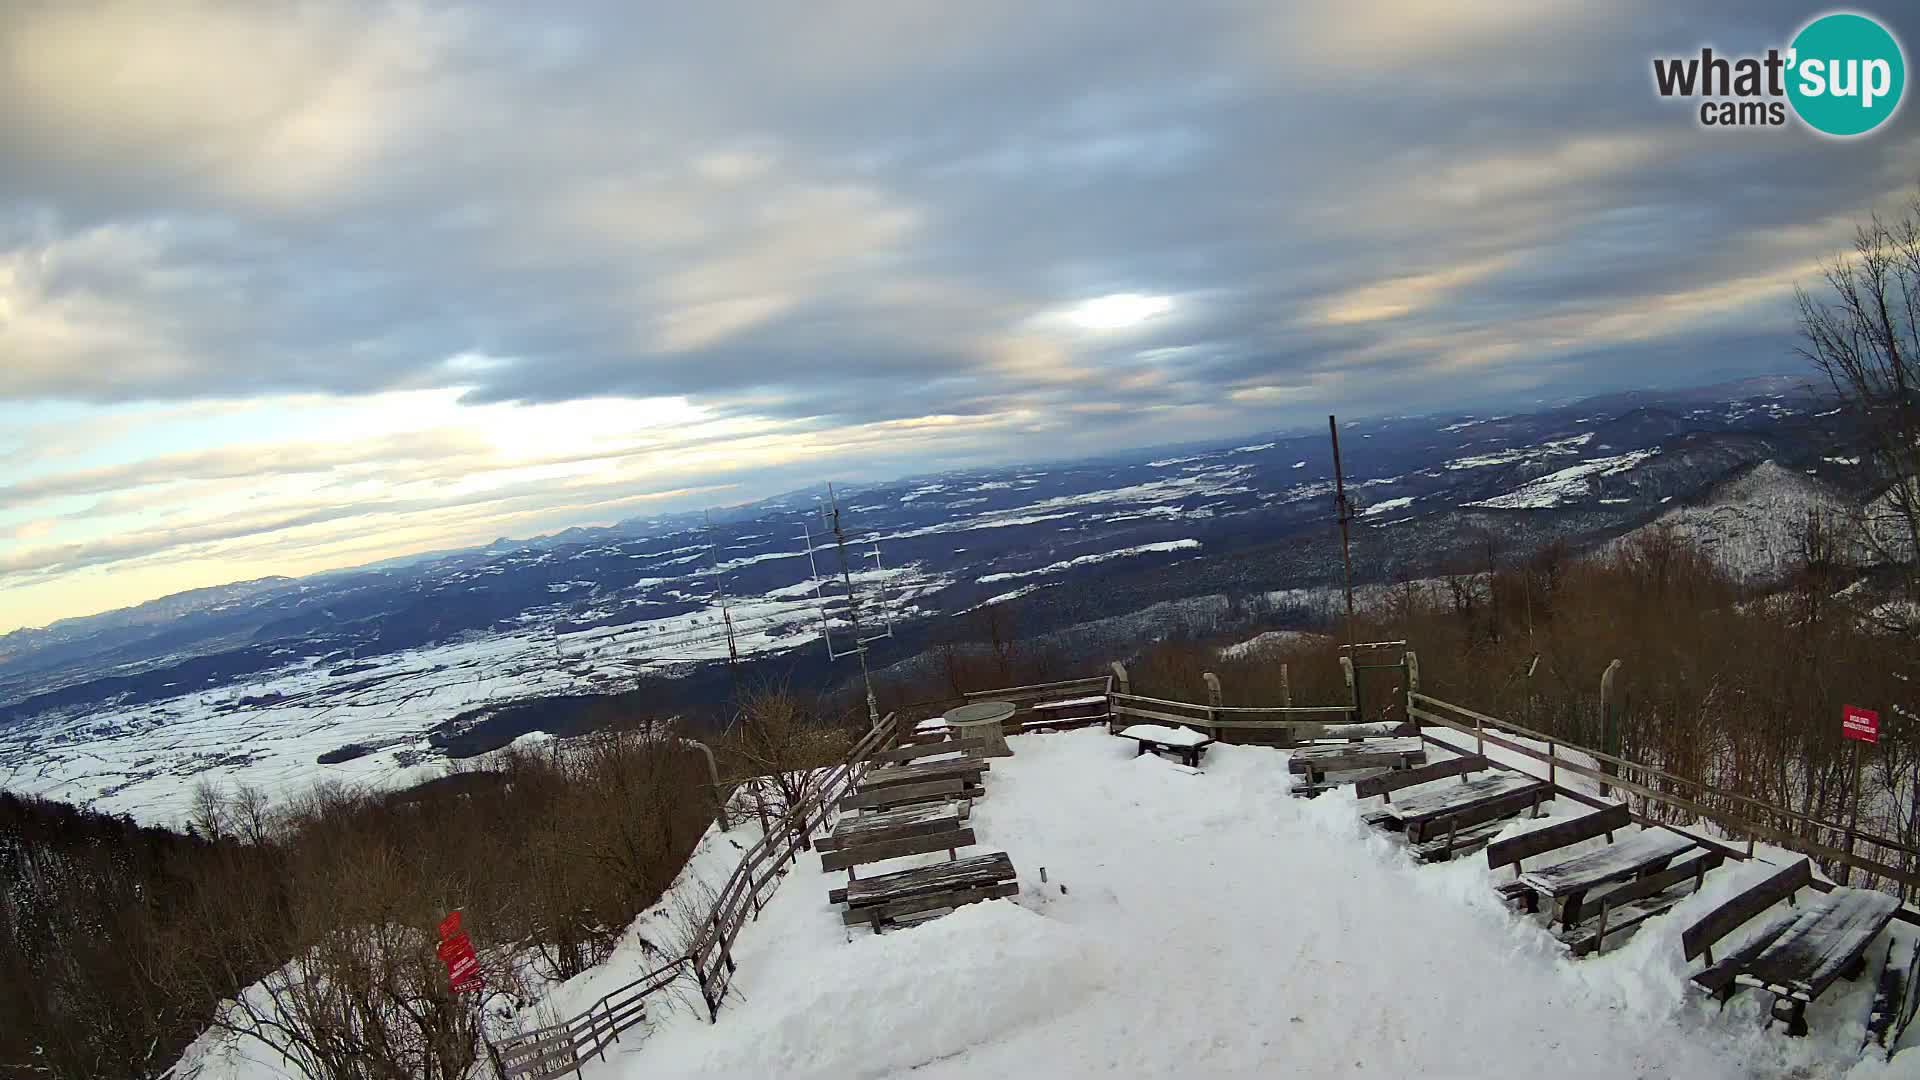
x=286 y=287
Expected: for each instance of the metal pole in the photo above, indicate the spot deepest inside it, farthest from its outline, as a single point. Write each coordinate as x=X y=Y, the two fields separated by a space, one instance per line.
x=853 y=611
x=1346 y=545
x=713 y=771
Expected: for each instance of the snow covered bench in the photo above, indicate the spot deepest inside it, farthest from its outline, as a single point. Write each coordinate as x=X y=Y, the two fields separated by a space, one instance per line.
x=913 y=830
x=924 y=891
x=1186 y=742
x=1370 y=730
x=1641 y=859
x=1451 y=820
x=1378 y=756
x=1796 y=954
x=901 y=755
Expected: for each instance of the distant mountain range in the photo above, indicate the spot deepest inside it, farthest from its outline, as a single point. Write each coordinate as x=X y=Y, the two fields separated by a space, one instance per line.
x=581 y=611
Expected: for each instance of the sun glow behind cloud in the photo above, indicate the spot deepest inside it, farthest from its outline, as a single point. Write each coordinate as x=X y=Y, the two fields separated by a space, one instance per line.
x=1118 y=311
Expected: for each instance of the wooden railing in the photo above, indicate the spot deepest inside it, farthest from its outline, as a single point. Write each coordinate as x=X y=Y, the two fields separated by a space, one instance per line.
x=1735 y=814
x=709 y=960
x=1270 y=725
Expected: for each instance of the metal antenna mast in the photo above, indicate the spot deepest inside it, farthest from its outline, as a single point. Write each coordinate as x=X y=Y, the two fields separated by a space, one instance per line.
x=853 y=606
x=1346 y=516
x=726 y=612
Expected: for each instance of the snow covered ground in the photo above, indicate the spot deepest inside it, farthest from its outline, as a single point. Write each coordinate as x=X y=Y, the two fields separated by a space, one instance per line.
x=1212 y=925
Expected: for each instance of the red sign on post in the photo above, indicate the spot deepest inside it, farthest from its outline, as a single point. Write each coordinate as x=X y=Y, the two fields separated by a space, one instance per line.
x=1859 y=723
x=456 y=951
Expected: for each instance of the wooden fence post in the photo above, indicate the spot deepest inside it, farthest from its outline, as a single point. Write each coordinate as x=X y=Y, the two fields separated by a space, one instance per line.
x=1353 y=688
x=1120 y=678
x=1609 y=722
x=1286 y=689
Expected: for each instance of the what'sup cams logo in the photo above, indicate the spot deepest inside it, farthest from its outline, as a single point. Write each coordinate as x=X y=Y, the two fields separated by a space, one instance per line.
x=1843 y=75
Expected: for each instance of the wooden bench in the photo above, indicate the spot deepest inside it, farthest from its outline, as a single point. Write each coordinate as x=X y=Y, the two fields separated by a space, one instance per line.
x=1369 y=730
x=1514 y=852
x=901 y=755
x=915 y=830
x=1896 y=994
x=1386 y=784
x=1698 y=940
x=888 y=899
x=1478 y=801
x=889 y=797
x=1186 y=742
x=1372 y=758
x=965 y=769
x=1639 y=900
x=1827 y=941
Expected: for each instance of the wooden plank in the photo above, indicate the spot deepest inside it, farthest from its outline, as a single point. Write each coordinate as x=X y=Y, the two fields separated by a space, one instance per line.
x=1455 y=797
x=1373 y=730
x=925 y=772
x=1541 y=841
x=916 y=751
x=1723 y=920
x=891 y=824
x=970 y=872
x=1438 y=770
x=1165 y=718
x=1719 y=979
x=1337 y=757
x=1445 y=845
x=1499 y=802
x=539 y=1055
x=1648 y=849
x=894 y=849
x=1826 y=938
x=914 y=905
x=905 y=793
x=1639 y=900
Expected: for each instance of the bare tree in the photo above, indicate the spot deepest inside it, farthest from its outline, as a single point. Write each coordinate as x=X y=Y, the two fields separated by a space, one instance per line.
x=1863 y=334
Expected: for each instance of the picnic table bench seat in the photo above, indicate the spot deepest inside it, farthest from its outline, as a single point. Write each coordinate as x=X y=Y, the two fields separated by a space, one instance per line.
x=1567 y=882
x=1896 y=994
x=889 y=797
x=1826 y=941
x=1447 y=843
x=1477 y=801
x=1795 y=954
x=1635 y=902
x=1186 y=742
x=1353 y=760
x=893 y=824
x=890 y=898
x=924 y=771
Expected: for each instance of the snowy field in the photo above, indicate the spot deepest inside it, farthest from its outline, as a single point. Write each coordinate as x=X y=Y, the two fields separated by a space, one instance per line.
x=1213 y=925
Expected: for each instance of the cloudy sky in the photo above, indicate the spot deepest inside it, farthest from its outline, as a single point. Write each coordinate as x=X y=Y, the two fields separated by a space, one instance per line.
x=286 y=287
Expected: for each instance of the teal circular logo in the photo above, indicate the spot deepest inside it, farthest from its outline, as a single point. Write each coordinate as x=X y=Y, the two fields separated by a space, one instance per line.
x=1846 y=74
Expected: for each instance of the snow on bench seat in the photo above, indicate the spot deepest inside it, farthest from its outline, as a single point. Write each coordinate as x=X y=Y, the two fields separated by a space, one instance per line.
x=1644 y=850
x=1472 y=803
x=1166 y=736
x=1826 y=938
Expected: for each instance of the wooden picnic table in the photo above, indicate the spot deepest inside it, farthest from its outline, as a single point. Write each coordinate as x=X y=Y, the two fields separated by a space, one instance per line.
x=1479 y=800
x=1372 y=729
x=1340 y=757
x=1568 y=881
x=1823 y=941
x=895 y=824
x=1186 y=742
x=889 y=897
x=956 y=769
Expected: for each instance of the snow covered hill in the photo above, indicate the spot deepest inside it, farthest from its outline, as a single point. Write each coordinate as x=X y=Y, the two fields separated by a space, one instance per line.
x=1754 y=525
x=1211 y=925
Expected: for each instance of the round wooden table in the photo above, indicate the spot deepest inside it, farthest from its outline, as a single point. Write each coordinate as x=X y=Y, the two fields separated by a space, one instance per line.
x=982 y=720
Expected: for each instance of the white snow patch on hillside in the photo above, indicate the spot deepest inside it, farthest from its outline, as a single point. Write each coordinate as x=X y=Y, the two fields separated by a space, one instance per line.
x=1211 y=925
x=1557 y=448
x=1271 y=639
x=1570 y=483
x=1752 y=527
x=1088 y=560
x=1254 y=449
x=1387 y=506
x=1299 y=464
